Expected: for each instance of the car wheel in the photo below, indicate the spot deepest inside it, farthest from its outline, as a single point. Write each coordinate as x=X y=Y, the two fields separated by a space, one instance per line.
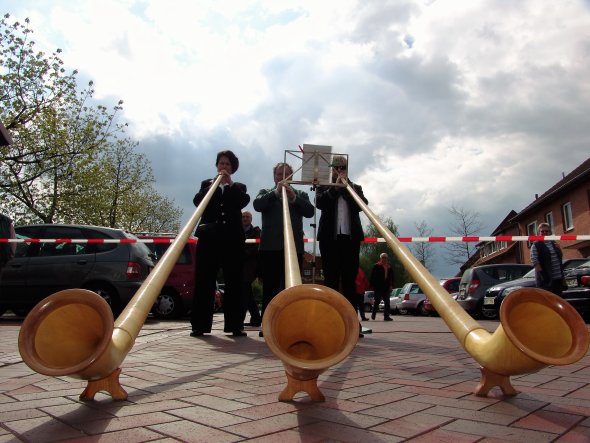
x=423 y=311
x=109 y=295
x=168 y=306
x=403 y=311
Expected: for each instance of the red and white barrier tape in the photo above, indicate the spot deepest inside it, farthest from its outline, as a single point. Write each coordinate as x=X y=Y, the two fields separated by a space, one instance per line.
x=498 y=238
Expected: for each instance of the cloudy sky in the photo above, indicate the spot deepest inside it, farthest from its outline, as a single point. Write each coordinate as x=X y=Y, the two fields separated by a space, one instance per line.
x=477 y=104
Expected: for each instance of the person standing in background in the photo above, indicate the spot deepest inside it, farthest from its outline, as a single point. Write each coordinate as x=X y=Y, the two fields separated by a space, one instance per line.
x=546 y=257
x=250 y=271
x=382 y=283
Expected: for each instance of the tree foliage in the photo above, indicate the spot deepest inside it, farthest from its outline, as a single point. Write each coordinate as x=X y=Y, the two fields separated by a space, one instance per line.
x=70 y=160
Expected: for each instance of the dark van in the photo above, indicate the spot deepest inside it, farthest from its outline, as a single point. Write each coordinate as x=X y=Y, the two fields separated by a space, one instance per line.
x=112 y=269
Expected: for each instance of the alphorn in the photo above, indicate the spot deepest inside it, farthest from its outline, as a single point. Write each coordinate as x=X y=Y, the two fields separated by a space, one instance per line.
x=73 y=333
x=309 y=327
x=537 y=328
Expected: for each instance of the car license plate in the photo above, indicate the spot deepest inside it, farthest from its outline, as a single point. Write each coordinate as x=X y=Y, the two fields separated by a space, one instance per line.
x=571 y=282
x=489 y=300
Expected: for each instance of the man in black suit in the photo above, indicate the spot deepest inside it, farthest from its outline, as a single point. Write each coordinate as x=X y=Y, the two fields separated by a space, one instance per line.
x=340 y=232
x=220 y=246
x=250 y=271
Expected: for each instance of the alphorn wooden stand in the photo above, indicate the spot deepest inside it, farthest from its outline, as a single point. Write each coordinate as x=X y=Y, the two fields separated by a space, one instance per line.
x=294 y=386
x=109 y=384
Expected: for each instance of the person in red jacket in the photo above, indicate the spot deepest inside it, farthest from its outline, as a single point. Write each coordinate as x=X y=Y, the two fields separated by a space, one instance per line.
x=362 y=284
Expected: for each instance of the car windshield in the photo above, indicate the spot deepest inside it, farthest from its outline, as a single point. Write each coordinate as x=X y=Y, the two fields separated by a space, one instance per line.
x=530 y=274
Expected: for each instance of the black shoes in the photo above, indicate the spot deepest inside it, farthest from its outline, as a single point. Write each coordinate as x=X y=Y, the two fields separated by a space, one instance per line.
x=196 y=334
x=254 y=325
x=260 y=334
x=364 y=319
x=388 y=319
x=372 y=316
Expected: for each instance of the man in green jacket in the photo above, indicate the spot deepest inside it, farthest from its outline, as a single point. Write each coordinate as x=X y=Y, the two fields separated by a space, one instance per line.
x=271 y=250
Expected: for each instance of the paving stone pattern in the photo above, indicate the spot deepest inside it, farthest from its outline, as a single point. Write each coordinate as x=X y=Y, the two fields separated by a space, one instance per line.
x=407 y=381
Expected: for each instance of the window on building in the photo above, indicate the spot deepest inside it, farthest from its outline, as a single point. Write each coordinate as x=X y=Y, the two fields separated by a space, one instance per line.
x=549 y=219
x=492 y=247
x=568 y=219
x=531 y=229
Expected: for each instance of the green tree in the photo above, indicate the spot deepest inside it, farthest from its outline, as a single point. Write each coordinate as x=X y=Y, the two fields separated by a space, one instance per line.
x=70 y=161
x=370 y=252
x=117 y=190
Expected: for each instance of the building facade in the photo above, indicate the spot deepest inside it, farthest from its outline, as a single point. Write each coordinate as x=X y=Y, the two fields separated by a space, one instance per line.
x=565 y=206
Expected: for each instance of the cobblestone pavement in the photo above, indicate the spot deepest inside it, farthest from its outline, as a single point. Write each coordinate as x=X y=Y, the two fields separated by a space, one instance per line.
x=407 y=381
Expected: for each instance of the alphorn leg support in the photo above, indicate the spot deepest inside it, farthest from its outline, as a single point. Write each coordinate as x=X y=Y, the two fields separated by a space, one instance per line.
x=110 y=384
x=310 y=387
x=490 y=379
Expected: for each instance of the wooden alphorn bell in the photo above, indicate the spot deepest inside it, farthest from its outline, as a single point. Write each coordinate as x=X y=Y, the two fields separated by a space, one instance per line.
x=308 y=327
x=537 y=327
x=73 y=332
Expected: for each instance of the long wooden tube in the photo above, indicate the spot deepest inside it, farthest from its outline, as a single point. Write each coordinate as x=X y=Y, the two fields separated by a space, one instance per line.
x=292 y=271
x=72 y=332
x=308 y=327
x=537 y=328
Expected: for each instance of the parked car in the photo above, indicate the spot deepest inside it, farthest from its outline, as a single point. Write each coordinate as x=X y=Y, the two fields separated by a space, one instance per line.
x=219 y=292
x=394 y=299
x=370 y=296
x=496 y=294
x=176 y=298
x=477 y=280
x=411 y=300
x=113 y=270
x=573 y=263
x=451 y=285
x=576 y=278
x=578 y=292
x=368 y=301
